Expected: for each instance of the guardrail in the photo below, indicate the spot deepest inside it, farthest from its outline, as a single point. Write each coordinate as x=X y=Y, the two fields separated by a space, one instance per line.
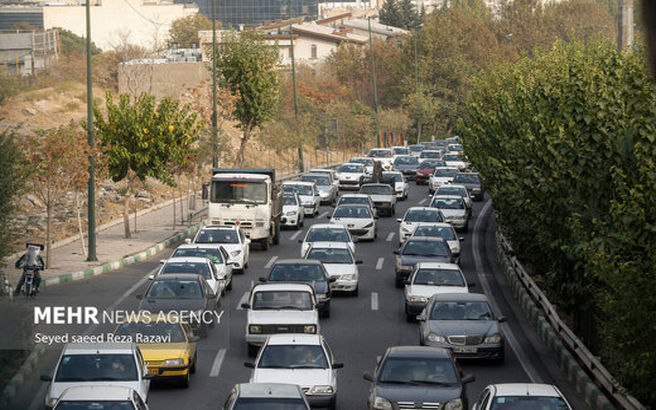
x=591 y=364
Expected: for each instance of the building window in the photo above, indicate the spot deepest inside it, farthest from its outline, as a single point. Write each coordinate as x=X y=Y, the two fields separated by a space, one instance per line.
x=313 y=52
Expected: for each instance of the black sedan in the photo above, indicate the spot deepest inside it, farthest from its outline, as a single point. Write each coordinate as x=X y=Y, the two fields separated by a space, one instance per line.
x=420 y=249
x=471 y=181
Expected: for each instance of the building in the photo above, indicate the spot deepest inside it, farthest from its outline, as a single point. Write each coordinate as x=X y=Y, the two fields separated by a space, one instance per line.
x=25 y=53
x=113 y=22
x=360 y=26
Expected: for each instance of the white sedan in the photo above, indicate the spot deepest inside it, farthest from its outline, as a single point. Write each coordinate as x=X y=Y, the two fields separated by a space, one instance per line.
x=307 y=192
x=521 y=396
x=400 y=185
x=413 y=217
x=358 y=219
x=454 y=159
x=292 y=210
x=454 y=209
x=198 y=265
x=430 y=278
x=326 y=233
x=218 y=255
x=453 y=189
x=340 y=263
x=441 y=230
x=441 y=176
x=231 y=238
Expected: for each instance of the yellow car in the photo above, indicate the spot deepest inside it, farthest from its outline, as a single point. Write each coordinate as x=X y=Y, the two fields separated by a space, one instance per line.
x=168 y=348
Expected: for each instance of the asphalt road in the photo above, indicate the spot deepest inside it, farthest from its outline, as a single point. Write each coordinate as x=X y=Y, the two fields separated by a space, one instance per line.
x=358 y=331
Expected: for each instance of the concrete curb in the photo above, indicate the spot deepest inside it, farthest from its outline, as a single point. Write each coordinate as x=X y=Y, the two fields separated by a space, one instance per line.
x=137 y=257
x=593 y=396
x=24 y=373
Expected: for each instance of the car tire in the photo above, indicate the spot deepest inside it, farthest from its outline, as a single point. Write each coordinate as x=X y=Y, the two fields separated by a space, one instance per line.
x=398 y=283
x=355 y=292
x=301 y=223
x=276 y=233
x=410 y=318
x=265 y=244
x=184 y=380
x=192 y=369
x=253 y=350
x=229 y=286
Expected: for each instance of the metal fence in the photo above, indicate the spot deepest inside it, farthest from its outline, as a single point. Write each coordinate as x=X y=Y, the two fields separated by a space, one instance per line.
x=591 y=364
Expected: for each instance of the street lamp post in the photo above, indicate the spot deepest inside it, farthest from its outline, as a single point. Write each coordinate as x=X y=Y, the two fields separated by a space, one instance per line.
x=215 y=131
x=373 y=76
x=291 y=45
x=91 y=200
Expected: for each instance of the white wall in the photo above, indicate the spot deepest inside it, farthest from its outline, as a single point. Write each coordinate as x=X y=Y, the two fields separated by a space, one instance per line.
x=303 y=50
x=116 y=21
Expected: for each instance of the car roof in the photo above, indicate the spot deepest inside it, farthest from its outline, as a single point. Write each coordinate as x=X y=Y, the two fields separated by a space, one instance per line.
x=296 y=262
x=452 y=186
x=268 y=390
x=526 y=389
x=352 y=206
x=98 y=392
x=355 y=196
x=425 y=239
x=179 y=276
x=437 y=265
x=190 y=259
x=435 y=224
x=447 y=168
x=374 y=184
x=352 y=163
x=99 y=348
x=293 y=339
x=195 y=246
x=270 y=286
x=338 y=245
x=307 y=183
x=421 y=208
x=380 y=149
x=461 y=297
x=392 y=172
x=328 y=226
x=321 y=170
x=314 y=174
x=220 y=227
x=447 y=196
x=418 y=351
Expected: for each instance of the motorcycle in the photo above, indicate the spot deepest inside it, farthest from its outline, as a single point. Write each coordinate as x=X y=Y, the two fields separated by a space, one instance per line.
x=31 y=262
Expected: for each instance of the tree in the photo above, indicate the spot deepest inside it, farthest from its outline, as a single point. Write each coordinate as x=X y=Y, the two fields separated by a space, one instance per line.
x=390 y=14
x=249 y=69
x=70 y=43
x=184 y=31
x=410 y=18
x=145 y=139
x=422 y=108
x=12 y=182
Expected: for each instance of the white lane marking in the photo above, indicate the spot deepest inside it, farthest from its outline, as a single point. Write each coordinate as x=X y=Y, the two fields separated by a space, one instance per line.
x=323 y=215
x=374 y=300
x=218 y=362
x=379 y=264
x=423 y=201
x=510 y=337
x=390 y=236
x=296 y=234
x=271 y=262
x=242 y=300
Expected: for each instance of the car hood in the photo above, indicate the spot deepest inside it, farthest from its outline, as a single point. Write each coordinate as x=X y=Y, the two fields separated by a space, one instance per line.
x=454 y=246
x=441 y=179
x=57 y=388
x=336 y=269
x=398 y=186
x=302 y=377
x=289 y=208
x=168 y=305
x=450 y=213
x=162 y=351
x=426 y=171
x=404 y=167
x=275 y=317
x=320 y=287
x=430 y=290
x=463 y=327
x=411 y=260
x=349 y=175
x=422 y=393
x=382 y=198
x=324 y=188
x=470 y=185
x=356 y=222
x=306 y=198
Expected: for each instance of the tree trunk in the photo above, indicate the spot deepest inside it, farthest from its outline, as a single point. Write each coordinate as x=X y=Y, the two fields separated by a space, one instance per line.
x=242 y=145
x=418 y=131
x=135 y=216
x=126 y=211
x=79 y=223
x=48 y=224
x=174 y=211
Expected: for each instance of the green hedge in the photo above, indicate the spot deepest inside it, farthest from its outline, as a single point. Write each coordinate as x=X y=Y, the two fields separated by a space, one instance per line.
x=566 y=143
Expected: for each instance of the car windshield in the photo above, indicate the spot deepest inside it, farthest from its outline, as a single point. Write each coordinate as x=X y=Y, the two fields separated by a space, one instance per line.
x=452 y=157
x=528 y=402
x=293 y=357
x=430 y=164
x=422 y=215
x=282 y=299
x=460 y=311
x=466 y=178
x=351 y=168
x=170 y=332
x=289 y=200
x=238 y=192
x=416 y=148
x=348 y=200
x=95 y=405
x=393 y=176
x=438 y=277
x=425 y=248
x=175 y=289
x=363 y=161
x=430 y=154
x=455 y=147
x=451 y=190
x=212 y=254
x=376 y=190
x=327 y=235
x=269 y=403
x=297 y=272
x=406 y=160
x=359 y=212
x=317 y=179
x=380 y=153
x=96 y=368
x=446 y=172
x=217 y=236
x=436 y=232
x=299 y=189
x=200 y=268
x=447 y=203
x=400 y=151
x=418 y=370
x=330 y=255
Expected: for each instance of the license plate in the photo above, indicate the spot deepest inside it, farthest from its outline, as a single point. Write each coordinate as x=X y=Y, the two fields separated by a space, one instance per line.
x=153 y=371
x=465 y=350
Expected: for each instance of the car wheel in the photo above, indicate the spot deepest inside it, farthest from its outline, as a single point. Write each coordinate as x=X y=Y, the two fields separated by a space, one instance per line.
x=253 y=350
x=229 y=287
x=301 y=223
x=276 y=233
x=355 y=292
x=398 y=283
x=184 y=380
x=265 y=244
x=409 y=318
x=393 y=210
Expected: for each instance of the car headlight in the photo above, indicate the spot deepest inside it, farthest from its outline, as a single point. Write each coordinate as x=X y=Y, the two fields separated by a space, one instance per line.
x=322 y=296
x=417 y=299
x=255 y=329
x=235 y=253
x=432 y=337
x=290 y=213
x=173 y=362
x=369 y=225
x=455 y=404
x=381 y=403
x=406 y=229
x=476 y=190
x=347 y=277
x=311 y=329
x=495 y=338
x=322 y=389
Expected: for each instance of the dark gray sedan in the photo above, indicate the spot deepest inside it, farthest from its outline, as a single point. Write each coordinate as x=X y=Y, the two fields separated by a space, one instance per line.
x=464 y=323
x=420 y=249
x=407 y=165
x=471 y=181
x=417 y=377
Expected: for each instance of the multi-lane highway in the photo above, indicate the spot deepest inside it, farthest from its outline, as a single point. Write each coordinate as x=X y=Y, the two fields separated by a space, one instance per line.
x=358 y=330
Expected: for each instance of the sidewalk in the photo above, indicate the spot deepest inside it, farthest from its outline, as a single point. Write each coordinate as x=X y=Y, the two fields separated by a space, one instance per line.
x=154 y=230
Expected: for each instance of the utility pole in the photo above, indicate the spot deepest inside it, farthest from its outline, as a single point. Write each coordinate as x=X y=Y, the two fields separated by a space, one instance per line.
x=419 y=125
x=91 y=200
x=373 y=76
x=215 y=131
x=625 y=25
x=291 y=45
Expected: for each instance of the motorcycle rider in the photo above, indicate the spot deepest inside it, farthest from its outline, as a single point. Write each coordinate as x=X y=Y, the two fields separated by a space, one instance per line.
x=30 y=261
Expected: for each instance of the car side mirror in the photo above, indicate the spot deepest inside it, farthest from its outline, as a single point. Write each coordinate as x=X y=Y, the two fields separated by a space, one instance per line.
x=262 y=279
x=234 y=264
x=375 y=216
x=250 y=365
x=501 y=319
x=148 y=376
x=462 y=238
x=194 y=339
x=406 y=282
x=332 y=279
x=188 y=241
x=46 y=378
x=468 y=378
x=338 y=365
x=151 y=277
x=368 y=376
x=245 y=305
x=359 y=262
x=399 y=220
x=421 y=318
x=162 y=261
x=300 y=241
